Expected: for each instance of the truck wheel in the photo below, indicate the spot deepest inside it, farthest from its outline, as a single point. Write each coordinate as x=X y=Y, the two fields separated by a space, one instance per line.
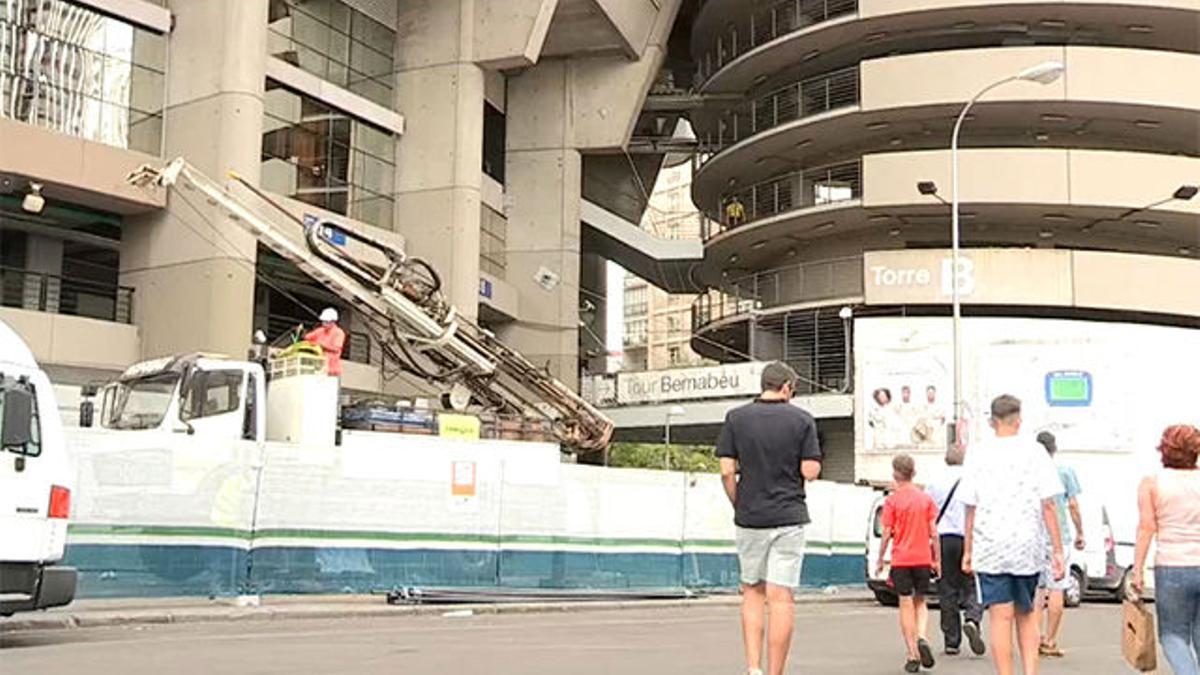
x=887 y=599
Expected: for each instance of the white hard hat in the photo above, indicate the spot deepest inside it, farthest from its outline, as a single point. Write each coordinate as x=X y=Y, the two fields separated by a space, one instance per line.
x=329 y=314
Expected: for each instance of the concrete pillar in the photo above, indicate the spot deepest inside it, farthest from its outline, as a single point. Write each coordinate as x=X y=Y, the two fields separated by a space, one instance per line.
x=193 y=270
x=43 y=261
x=544 y=176
x=440 y=91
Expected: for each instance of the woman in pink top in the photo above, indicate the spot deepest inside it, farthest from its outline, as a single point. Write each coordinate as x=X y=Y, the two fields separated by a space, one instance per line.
x=1169 y=506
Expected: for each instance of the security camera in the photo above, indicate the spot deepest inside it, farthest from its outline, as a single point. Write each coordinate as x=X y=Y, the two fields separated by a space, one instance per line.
x=546 y=278
x=34 y=202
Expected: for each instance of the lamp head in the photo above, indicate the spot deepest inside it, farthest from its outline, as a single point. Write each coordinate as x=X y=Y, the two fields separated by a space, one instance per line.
x=34 y=202
x=927 y=187
x=1042 y=73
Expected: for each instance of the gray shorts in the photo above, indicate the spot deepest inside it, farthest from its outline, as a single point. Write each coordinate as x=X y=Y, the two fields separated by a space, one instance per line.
x=774 y=555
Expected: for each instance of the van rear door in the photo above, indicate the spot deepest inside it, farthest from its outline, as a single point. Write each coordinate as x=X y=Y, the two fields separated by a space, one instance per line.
x=25 y=481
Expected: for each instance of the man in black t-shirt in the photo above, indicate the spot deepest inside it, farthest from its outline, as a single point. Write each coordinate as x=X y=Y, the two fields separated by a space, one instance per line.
x=768 y=448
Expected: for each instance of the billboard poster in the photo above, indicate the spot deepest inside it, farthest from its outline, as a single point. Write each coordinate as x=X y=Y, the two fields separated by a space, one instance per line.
x=1100 y=387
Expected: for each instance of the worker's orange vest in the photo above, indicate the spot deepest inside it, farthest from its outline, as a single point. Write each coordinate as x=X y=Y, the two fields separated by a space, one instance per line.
x=331 y=340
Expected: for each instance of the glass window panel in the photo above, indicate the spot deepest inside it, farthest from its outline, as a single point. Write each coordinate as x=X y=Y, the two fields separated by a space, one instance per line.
x=312 y=61
x=372 y=32
x=374 y=141
x=339 y=47
x=377 y=90
x=150 y=50
x=145 y=133
x=146 y=89
x=373 y=209
x=339 y=162
x=339 y=17
x=317 y=9
x=373 y=174
x=112 y=37
x=340 y=129
x=309 y=32
x=281 y=103
x=336 y=201
x=117 y=81
x=338 y=74
x=369 y=62
x=311 y=108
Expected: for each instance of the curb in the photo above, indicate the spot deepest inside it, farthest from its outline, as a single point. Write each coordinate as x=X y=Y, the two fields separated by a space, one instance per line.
x=286 y=612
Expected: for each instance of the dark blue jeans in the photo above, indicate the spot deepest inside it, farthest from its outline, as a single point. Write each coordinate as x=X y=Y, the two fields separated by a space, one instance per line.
x=1177 y=602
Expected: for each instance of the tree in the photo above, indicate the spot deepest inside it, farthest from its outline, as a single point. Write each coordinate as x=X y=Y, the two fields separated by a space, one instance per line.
x=693 y=458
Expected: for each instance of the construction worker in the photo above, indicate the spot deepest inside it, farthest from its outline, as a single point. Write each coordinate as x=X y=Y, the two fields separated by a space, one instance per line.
x=331 y=338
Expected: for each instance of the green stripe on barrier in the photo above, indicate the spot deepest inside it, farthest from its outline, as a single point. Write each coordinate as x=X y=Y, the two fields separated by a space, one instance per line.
x=204 y=532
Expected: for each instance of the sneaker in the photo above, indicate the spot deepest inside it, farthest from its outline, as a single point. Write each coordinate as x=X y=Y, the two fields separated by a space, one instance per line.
x=912 y=666
x=754 y=671
x=971 y=630
x=951 y=651
x=926 y=653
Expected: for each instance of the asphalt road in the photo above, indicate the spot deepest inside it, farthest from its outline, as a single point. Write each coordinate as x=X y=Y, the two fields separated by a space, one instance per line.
x=859 y=639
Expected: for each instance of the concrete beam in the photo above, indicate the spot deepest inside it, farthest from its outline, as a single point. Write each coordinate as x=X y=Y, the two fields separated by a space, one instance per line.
x=511 y=34
x=632 y=20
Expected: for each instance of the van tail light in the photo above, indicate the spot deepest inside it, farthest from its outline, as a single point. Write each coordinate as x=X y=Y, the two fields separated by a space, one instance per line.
x=60 y=502
x=1110 y=552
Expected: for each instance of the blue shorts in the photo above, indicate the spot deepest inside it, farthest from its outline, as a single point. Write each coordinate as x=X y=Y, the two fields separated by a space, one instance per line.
x=1001 y=589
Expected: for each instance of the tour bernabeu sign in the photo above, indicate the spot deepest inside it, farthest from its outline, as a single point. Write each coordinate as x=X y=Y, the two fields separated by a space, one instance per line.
x=684 y=384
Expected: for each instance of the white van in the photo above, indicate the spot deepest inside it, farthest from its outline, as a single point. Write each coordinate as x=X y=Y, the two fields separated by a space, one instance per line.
x=35 y=485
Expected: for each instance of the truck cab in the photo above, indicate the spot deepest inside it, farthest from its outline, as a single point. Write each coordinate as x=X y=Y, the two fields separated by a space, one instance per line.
x=201 y=395
x=35 y=485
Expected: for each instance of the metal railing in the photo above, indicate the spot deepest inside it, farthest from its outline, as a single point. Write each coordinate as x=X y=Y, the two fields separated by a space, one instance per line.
x=813 y=96
x=778 y=287
x=761 y=26
x=788 y=192
x=65 y=295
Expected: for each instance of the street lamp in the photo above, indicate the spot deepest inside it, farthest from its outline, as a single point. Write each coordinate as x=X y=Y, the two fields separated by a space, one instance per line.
x=1042 y=73
x=673 y=411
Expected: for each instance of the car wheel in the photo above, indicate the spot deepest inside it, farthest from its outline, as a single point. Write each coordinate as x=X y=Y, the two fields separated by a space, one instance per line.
x=887 y=599
x=1125 y=588
x=1073 y=595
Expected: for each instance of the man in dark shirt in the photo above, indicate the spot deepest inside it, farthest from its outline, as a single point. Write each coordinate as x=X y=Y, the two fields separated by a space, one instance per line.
x=768 y=448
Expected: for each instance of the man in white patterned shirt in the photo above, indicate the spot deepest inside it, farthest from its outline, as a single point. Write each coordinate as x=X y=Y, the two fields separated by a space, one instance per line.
x=1009 y=485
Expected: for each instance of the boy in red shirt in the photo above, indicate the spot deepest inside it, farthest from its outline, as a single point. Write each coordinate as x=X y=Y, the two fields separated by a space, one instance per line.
x=909 y=524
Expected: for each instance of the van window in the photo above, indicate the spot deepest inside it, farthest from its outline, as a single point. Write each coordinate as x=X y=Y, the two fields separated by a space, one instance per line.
x=877 y=522
x=34 y=447
x=212 y=392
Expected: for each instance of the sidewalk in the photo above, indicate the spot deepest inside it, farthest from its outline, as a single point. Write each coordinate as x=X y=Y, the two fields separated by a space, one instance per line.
x=149 y=611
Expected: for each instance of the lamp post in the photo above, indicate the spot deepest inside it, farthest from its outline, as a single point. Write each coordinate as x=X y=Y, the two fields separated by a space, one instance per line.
x=673 y=411
x=1042 y=73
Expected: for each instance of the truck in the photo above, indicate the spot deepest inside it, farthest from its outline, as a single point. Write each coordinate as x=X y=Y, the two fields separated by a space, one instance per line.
x=400 y=298
x=35 y=485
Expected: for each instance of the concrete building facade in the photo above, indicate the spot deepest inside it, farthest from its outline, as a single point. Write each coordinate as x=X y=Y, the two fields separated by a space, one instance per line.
x=459 y=128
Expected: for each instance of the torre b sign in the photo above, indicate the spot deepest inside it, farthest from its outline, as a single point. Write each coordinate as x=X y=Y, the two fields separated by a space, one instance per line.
x=985 y=276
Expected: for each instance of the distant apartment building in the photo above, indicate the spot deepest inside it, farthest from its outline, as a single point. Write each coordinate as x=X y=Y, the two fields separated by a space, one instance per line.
x=658 y=330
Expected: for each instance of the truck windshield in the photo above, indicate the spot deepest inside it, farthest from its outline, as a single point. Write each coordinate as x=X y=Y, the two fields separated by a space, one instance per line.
x=142 y=403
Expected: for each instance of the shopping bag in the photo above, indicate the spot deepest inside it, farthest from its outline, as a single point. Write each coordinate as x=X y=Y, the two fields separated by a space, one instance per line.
x=1139 y=642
